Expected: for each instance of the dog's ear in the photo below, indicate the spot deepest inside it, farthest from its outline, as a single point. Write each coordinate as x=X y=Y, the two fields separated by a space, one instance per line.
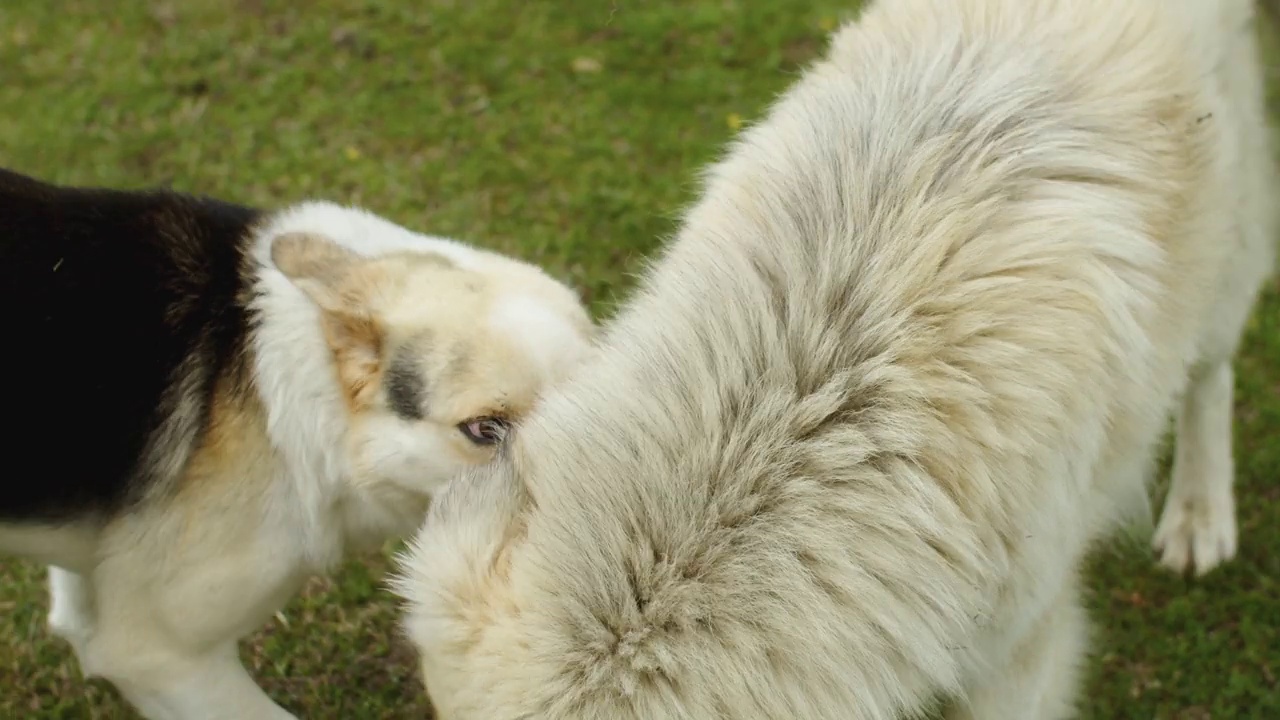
x=316 y=264
x=323 y=270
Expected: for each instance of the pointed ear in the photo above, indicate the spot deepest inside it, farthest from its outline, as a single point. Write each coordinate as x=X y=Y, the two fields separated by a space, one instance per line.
x=314 y=263
x=356 y=340
x=318 y=266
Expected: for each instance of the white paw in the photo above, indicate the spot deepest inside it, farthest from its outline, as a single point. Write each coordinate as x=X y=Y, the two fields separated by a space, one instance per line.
x=1196 y=532
x=69 y=622
x=72 y=630
x=65 y=620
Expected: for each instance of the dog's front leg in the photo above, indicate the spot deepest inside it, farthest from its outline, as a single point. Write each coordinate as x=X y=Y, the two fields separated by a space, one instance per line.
x=1197 y=529
x=1038 y=680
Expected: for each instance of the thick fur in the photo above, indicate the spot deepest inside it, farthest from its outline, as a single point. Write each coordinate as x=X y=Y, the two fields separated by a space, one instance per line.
x=908 y=356
x=110 y=295
x=214 y=402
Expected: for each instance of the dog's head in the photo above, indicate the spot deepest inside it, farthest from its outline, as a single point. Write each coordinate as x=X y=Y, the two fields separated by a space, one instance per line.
x=520 y=593
x=460 y=605
x=434 y=360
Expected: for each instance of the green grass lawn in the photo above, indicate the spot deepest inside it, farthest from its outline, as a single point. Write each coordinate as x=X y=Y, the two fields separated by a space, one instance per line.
x=568 y=133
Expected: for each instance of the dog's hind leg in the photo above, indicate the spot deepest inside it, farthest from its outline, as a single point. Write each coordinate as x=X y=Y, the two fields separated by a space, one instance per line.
x=1040 y=679
x=167 y=628
x=1198 y=525
x=165 y=683
x=71 y=608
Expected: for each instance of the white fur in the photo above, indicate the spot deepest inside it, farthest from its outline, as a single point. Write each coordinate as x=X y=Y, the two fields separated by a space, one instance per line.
x=908 y=357
x=306 y=415
x=545 y=337
x=156 y=599
x=68 y=545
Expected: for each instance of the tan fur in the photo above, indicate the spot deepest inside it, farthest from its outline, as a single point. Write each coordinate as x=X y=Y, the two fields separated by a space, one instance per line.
x=909 y=356
x=344 y=288
x=305 y=454
x=371 y=304
x=235 y=447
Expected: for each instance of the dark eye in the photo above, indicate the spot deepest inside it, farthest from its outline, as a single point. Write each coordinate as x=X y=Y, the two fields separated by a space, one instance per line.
x=485 y=430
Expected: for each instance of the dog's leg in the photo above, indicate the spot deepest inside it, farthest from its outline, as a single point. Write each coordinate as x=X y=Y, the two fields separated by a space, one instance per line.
x=1198 y=525
x=71 y=608
x=165 y=683
x=167 y=627
x=1040 y=679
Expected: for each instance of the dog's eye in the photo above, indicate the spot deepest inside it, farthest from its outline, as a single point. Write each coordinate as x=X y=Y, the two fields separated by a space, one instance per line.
x=485 y=430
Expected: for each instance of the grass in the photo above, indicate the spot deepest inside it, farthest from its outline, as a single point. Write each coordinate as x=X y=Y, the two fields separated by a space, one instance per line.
x=568 y=133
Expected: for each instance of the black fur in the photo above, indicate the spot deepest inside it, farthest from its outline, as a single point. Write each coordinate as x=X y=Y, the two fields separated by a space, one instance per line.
x=111 y=299
x=406 y=393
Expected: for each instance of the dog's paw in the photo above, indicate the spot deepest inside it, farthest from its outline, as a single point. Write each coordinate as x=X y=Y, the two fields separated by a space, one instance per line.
x=69 y=615
x=71 y=627
x=1196 y=532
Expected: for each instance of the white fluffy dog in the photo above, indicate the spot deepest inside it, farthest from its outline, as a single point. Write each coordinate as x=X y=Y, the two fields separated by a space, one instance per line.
x=911 y=353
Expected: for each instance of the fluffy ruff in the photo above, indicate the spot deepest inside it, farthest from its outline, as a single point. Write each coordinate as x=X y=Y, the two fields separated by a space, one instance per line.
x=909 y=356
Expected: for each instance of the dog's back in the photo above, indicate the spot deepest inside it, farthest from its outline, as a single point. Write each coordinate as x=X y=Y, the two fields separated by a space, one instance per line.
x=845 y=449
x=121 y=308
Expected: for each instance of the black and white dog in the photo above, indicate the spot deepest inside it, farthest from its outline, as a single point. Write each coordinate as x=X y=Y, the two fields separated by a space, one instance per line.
x=212 y=402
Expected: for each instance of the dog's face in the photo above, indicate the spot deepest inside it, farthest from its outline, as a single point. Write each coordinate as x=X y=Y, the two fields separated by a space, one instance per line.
x=434 y=361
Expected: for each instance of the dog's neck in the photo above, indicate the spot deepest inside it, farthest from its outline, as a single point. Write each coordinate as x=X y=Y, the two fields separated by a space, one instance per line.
x=306 y=418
